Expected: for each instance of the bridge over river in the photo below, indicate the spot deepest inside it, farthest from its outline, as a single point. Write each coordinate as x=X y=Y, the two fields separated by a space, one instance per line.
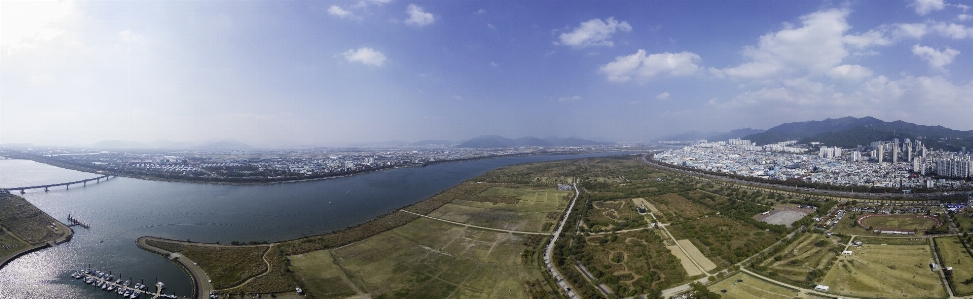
x=66 y=185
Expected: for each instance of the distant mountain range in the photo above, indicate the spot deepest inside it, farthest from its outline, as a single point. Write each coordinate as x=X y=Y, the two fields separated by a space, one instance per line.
x=710 y=136
x=494 y=141
x=849 y=132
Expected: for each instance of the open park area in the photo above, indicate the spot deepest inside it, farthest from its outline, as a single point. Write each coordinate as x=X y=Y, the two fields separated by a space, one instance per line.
x=953 y=254
x=804 y=260
x=886 y=268
x=745 y=286
x=903 y=223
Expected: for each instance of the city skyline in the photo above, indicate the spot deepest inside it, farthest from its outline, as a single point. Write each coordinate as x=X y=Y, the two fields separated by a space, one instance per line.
x=337 y=73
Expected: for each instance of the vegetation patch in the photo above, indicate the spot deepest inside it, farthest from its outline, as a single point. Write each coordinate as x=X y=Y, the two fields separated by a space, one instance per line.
x=746 y=286
x=613 y=215
x=227 y=266
x=432 y=259
x=27 y=222
x=725 y=241
x=629 y=267
x=320 y=275
x=953 y=254
x=886 y=271
x=805 y=260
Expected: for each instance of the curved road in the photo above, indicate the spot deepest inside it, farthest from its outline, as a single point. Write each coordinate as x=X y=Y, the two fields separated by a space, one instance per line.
x=201 y=283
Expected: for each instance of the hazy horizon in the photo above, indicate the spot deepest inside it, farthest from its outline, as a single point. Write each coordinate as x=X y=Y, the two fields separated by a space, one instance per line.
x=338 y=73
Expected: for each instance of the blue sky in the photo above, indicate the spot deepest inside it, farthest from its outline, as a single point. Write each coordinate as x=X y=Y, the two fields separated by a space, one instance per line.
x=343 y=72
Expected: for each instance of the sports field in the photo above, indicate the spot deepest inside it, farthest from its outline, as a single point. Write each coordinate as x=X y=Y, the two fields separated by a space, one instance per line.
x=885 y=271
x=952 y=254
x=897 y=222
x=746 y=286
x=428 y=259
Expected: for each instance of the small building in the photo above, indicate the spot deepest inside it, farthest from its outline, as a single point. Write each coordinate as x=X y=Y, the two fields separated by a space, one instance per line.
x=932 y=266
x=822 y=288
x=846 y=252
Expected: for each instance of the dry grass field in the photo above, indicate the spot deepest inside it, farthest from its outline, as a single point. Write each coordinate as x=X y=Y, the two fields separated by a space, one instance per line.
x=430 y=259
x=884 y=270
x=746 y=286
x=521 y=209
x=694 y=253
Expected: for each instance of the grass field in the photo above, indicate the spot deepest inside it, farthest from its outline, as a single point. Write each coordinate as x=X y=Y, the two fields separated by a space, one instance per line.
x=676 y=208
x=521 y=209
x=9 y=244
x=885 y=271
x=899 y=222
x=321 y=276
x=807 y=253
x=844 y=226
x=746 y=286
x=724 y=241
x=430 y=259
x=953 y=254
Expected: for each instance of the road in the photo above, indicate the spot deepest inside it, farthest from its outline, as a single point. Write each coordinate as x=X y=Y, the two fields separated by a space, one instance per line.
x=550 y=249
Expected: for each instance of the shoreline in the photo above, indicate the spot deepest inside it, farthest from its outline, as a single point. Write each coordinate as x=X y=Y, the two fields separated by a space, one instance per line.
x=61 y=164
x=50 y=243
x=196 y=274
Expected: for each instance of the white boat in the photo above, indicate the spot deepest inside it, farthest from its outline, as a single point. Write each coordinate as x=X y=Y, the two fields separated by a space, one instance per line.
x=160 y=285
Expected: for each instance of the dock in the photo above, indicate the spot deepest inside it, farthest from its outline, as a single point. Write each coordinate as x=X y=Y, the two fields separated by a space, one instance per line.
x=76 y=222
x=100 y=280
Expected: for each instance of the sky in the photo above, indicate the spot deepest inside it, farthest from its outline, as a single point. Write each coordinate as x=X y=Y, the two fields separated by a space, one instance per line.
x=333 y=73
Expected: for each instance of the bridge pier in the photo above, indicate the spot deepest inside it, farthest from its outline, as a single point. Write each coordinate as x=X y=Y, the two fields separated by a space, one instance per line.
x=45 y=189
x=84 y=184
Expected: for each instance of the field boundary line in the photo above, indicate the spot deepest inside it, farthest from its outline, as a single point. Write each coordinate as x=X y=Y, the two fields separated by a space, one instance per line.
x=477 y=226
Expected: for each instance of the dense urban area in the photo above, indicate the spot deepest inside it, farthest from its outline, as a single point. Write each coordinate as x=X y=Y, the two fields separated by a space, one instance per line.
x=902 y=165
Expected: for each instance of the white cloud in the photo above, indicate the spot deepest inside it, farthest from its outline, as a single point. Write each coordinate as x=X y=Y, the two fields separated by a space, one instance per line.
x=954 y=31
x=339 y=12
x=418 y=17
x=964 y=17
x=569 y=99
x=816 y=47
x=594 y=32
x=24 y=23
x=646 y=66
x=481 y=11
x=924 y=7
x=911 y=30
x=365 y=55
x=936 y=59
x=662 y=96
x=852 y=72
x=867 y=39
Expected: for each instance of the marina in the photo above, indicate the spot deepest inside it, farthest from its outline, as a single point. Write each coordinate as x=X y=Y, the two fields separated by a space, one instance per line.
x=107 y=282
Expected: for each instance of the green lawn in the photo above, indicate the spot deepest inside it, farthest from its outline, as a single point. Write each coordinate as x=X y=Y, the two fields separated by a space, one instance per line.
x=746 y=286
x=953 y=254
x=320 y=275
x=809 y=252
x=886 y=271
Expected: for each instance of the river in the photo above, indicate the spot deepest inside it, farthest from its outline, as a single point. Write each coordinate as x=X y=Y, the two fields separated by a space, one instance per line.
x=122 y=209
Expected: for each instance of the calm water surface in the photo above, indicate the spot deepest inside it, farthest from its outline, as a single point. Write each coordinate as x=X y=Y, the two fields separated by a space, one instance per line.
x=123 y=209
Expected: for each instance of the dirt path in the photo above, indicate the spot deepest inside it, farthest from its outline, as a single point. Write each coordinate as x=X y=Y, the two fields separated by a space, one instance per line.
x=264 y=258
x=477 y=226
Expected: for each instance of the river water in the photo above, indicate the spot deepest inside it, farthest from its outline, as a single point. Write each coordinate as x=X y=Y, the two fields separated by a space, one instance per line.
x=122 y=209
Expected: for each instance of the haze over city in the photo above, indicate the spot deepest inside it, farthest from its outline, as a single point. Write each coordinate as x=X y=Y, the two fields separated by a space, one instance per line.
x=333 y=73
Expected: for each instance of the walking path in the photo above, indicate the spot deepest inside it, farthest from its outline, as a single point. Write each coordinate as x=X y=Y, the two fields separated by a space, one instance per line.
x=479 y=227
x=680 y=246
